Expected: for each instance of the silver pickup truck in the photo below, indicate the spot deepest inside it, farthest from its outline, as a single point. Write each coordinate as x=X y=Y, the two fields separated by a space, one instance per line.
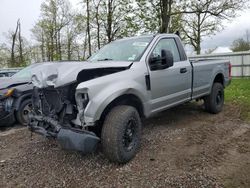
x=104 y=99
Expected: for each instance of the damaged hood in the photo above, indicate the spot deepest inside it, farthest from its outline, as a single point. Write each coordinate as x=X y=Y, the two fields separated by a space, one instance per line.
x=9 y=82
x=61 y=73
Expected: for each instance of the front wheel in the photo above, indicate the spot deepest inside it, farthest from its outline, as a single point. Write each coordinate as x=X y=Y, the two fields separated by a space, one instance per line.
x=215 y=101
x=121 y=134
x=22 y=114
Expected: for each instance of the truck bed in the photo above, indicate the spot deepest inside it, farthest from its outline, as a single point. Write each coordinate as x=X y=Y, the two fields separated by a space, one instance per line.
x=202 y=71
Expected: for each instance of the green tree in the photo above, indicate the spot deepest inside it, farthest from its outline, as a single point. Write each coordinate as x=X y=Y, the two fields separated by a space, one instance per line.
x=240 y=45
x=51 y=28
x=4 y=55
x=15 y=52
x=204 y=17
x=158 y=16
x=115 y=17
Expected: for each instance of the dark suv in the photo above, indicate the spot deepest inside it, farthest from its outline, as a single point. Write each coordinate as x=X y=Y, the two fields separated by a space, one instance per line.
x=15 y=96
x=9 y=72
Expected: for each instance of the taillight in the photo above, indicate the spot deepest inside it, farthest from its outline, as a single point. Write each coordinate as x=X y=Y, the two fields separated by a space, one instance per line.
x=230 y=70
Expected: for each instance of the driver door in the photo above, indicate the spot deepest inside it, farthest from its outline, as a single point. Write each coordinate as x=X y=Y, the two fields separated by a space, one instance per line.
x=172 y=85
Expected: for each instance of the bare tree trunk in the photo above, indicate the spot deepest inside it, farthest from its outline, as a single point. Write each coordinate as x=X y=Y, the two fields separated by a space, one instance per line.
x=165 y=15
x=59 y=45
x=21 y=62
x=69 y=50
x=109 y=21
x=198 y=42
x=13 y=46
x=56 y=45
x=97 y=23
x=88 y=28
x=69 y=41
x=98 y=35
x=48 y=49
x=42 y=47
x=52 y=45
x=85 y=46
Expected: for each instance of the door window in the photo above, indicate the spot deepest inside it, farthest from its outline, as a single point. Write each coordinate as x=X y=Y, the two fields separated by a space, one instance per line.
x=167 y=44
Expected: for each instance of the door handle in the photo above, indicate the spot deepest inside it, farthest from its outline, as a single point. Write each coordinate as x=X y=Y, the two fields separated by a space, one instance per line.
x=183 y=70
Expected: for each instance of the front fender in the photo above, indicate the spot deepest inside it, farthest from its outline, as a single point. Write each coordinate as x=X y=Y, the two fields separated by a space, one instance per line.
x=98 y=102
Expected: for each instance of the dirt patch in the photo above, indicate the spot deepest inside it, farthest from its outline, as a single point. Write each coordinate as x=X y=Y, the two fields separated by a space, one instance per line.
x=181 y=147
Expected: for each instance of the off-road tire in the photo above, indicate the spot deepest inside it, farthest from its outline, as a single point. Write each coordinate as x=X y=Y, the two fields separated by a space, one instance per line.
x=215 y=101
x=20 y=112
x=115 y=133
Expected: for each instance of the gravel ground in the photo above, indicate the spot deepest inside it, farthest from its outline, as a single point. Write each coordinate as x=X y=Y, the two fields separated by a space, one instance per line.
x=181 y=147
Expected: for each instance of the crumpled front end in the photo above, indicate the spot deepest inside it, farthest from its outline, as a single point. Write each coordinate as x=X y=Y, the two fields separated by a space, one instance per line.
x=58 y=110
x=55 y=114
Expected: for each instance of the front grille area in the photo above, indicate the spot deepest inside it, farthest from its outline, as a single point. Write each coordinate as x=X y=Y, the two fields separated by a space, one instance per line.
x=51 y=101
x=55 y=103
x=54 y=100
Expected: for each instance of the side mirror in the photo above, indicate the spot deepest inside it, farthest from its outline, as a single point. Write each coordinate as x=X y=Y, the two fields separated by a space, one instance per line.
x=165 y=61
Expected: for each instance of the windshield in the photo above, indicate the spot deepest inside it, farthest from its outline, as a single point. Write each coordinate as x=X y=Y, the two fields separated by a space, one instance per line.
x=26 y=72
x=122 y=50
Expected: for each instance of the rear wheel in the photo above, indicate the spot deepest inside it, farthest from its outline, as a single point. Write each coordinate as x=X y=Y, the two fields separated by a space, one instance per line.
x=121 y=134
x=23 y=112
x=215 y=101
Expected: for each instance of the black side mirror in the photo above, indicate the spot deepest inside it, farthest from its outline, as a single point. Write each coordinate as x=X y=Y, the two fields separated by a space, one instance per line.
x=158 y=63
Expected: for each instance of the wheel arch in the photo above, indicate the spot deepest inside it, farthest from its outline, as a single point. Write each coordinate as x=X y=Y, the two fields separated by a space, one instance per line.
x=20 y=99
x=124 y=99
x=219 y=78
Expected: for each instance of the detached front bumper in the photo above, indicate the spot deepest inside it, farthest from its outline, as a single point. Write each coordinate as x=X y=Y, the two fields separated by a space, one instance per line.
x=68 y=138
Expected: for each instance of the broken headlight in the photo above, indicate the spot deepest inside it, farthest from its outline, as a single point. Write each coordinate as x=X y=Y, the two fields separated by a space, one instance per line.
x=6 y=92
x=82 y=100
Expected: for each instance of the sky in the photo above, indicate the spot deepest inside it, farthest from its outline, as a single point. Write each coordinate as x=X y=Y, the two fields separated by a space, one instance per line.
x=233 y=29
x=29 y=10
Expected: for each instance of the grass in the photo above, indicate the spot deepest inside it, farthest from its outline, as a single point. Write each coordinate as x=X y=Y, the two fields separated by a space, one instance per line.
x=239 y=93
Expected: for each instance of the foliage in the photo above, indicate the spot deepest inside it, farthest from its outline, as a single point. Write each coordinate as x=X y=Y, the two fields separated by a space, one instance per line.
x=157 y=16
x=204 y=17
x=62 y=33
x=240 y=45
x=51 y=28
x=16 y=51
x=4 y=55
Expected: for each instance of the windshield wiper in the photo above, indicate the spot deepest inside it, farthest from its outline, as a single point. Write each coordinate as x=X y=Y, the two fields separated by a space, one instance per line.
x=105 y=59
